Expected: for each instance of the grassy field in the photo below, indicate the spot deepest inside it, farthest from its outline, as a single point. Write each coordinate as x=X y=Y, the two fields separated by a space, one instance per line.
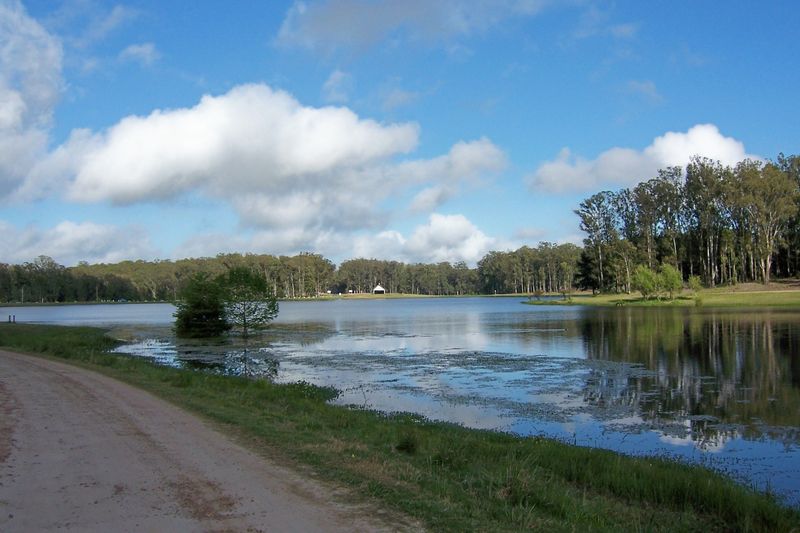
x=447 y=477
x=744 y=295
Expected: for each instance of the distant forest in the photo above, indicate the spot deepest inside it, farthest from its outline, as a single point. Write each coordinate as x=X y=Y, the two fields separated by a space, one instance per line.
x=724 y=224
x=546 y=268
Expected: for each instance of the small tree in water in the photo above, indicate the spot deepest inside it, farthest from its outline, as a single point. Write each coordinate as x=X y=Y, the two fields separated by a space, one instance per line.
x=201 y=311
x=249 y=301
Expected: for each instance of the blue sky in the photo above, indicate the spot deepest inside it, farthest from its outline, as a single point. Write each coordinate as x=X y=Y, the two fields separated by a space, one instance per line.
x=414 y=130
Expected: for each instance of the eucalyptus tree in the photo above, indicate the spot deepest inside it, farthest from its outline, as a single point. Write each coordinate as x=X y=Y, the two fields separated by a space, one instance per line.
x=496 y=271
x=598 y=221
x=704 y=197
x=771 y=197
x=739 y=216
x=624 y=203
x=646 y=202
x=624 y=259
x=790 y=165
x=463 y=279
x=670 y=205
x=567 y=256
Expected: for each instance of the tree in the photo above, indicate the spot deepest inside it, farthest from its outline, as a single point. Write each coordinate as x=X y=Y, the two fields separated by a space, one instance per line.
x=644 y=195
x=695 y=284
x=671 y=280
x=772 y=200
x=790 y=165
x=201 y=311
x=645 y=281
x=597 y=215
x=249 y=301
x=704 y=198
x=668 y=189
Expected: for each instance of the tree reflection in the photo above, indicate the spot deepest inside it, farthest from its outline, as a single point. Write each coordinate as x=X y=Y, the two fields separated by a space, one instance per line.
x=248 y=357
x=251 y=364
x=700 y=370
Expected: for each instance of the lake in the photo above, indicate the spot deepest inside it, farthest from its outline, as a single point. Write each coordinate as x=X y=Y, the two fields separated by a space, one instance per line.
x=719 y=387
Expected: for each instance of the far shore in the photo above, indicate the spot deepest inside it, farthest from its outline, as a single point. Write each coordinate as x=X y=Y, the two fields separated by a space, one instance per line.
x=321 y=297
x=781 y=293
x=785 y=293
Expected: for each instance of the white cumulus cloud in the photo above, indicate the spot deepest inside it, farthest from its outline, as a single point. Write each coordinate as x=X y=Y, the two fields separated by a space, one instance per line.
x=30 y=86
x=465 y=163
x=450 y=238
x=251 y=139
x=70 y=242
x=290 y=171
x=626 y=166
x=430 y=198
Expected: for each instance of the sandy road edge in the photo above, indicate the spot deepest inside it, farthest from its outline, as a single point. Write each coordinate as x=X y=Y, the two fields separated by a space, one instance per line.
x=335 y=494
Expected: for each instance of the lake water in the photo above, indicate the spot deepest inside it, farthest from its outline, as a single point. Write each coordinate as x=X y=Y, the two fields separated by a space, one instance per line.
x=712 y=386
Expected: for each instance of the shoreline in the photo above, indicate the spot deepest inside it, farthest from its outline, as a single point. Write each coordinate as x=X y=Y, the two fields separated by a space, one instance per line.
x=750 y=297
x=446 y=476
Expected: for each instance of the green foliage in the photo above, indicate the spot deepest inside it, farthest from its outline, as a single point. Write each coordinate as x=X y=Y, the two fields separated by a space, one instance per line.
x=201 y=310
x=548 y=267
x=695 y=284
x=670 y=280
x=728 y=224
x=239 y=298
x=249 y=302
x=645 y=281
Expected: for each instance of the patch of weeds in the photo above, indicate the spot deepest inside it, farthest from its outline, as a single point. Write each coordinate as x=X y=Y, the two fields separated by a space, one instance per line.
x=309 y=391
x=407 y=444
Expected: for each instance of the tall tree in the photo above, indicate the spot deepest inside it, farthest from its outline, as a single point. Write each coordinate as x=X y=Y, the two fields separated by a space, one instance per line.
x=669 y=194
x=646 y=201
x=704 y=193
x=790 y=165
x=597 y=220
x=772 y=198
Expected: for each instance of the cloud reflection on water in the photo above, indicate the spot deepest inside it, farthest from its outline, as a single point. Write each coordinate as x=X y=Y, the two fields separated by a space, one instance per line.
x=696 y=384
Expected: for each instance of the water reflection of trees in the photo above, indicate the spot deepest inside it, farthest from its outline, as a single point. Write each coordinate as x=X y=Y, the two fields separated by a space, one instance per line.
x=230 y=360
x=740 y=368
x=246 y=357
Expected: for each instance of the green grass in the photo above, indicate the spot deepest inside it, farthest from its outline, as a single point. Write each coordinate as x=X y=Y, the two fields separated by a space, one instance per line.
x=447 y=477
x=721 y=297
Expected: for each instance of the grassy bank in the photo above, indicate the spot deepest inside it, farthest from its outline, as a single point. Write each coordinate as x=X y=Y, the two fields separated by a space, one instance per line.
x=445 y=476
x=720 y=297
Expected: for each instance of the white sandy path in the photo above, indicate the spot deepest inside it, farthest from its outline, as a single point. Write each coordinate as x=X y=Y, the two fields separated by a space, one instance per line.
x=83 y=452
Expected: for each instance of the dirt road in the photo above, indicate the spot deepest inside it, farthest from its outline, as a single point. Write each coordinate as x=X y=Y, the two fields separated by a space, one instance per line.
x=83 y=452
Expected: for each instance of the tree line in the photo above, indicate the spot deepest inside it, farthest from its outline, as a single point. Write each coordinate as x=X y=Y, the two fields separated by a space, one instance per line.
x=725 y=224
x=545 y=268
x=722 y=224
